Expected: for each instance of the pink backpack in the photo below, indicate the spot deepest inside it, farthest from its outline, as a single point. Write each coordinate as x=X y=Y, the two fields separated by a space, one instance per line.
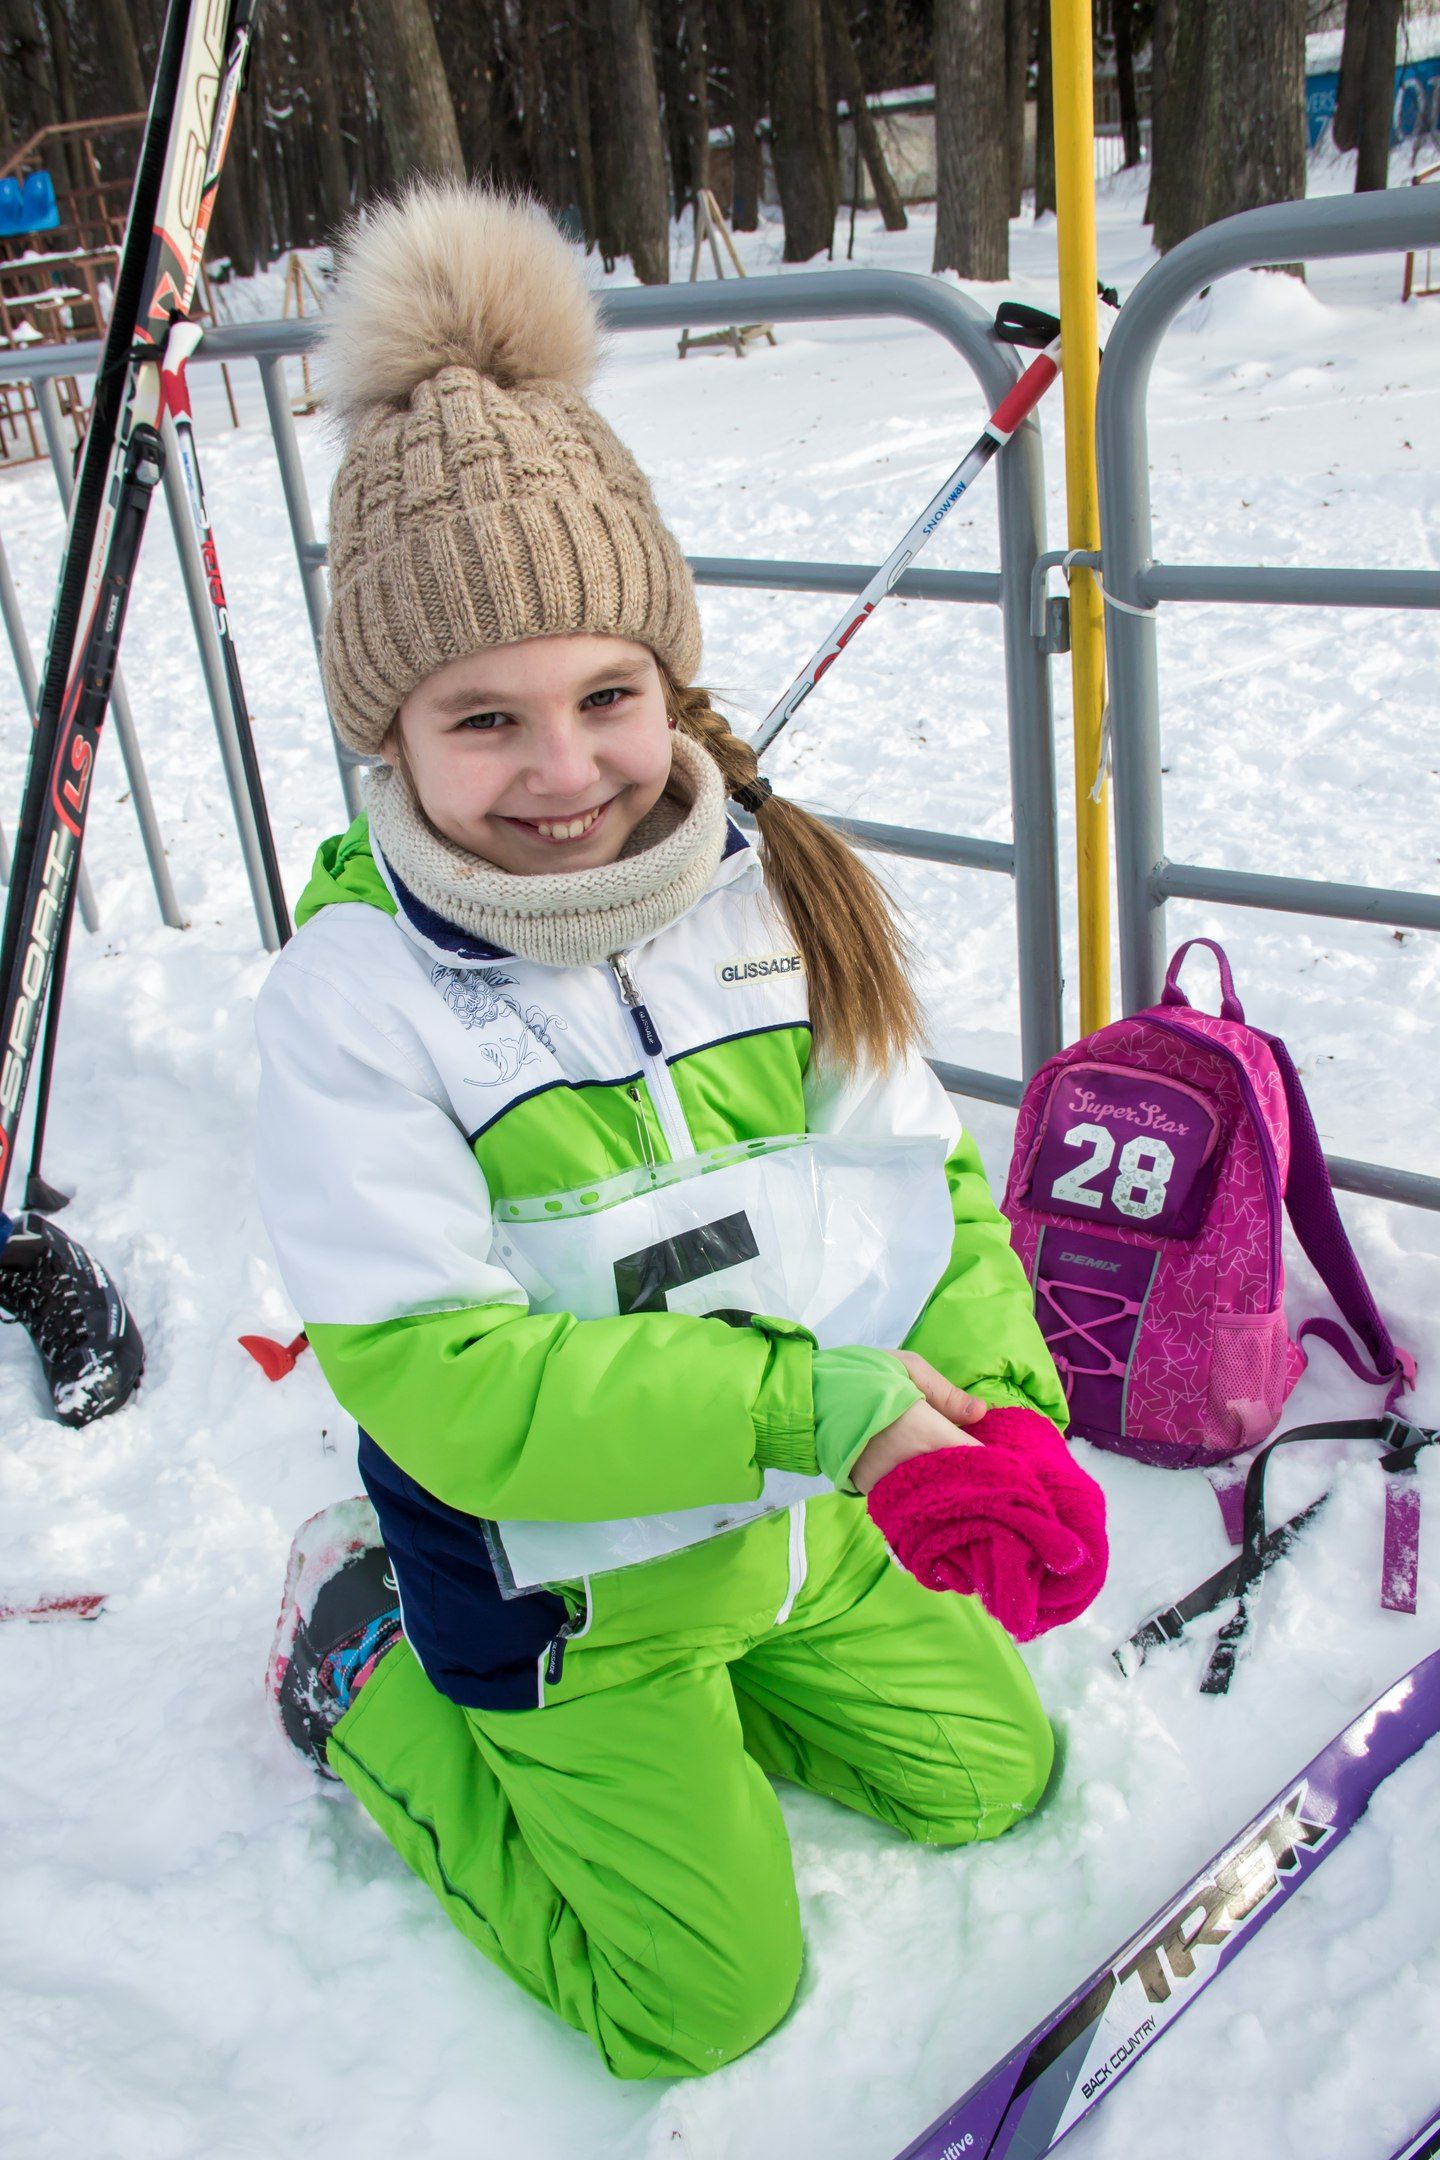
x=1153 y=1163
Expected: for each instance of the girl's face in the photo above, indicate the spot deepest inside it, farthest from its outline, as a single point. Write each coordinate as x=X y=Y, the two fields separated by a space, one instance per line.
x=542 y=755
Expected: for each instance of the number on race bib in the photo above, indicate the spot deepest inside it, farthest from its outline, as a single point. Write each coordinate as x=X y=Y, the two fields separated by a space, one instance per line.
x=642 y=1278
x=1075 y=1184
x=1139 y=1188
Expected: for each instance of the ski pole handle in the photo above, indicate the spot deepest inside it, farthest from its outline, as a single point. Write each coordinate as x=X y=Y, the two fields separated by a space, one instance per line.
x=1008 y=415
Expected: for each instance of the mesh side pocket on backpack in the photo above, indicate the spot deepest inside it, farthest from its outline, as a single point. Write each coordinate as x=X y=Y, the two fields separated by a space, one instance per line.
x=1250 y=1377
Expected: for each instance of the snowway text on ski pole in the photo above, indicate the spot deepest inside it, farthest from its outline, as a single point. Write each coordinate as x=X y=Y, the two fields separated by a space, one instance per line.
x=1016 y=325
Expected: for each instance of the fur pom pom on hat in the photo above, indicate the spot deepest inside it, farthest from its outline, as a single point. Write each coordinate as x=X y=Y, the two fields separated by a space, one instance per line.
x=480 y=497
x=449 y=276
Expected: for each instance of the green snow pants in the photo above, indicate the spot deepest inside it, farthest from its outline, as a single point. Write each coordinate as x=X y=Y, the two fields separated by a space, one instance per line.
x=620 y=1852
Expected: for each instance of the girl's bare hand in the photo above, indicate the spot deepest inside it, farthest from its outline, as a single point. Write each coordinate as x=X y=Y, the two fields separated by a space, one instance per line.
x=917 y=1431
x=941 y=1394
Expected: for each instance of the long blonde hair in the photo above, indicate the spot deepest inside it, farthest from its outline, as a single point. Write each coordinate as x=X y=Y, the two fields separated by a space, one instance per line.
x=857 y=958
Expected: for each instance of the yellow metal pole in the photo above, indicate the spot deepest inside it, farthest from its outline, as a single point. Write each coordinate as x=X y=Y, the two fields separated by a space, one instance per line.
x=1071 y=51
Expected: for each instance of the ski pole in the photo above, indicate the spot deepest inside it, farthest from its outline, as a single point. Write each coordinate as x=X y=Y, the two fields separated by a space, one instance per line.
x=1016 y=325
x=178 y=421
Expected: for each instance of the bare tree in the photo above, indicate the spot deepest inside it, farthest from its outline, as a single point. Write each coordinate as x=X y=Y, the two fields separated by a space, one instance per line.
x=643 y=222
x=1017 y=70
x=972 y=173
x=1044 y=114
x=744 y=71
x=1233 y=131
x=1377 y=96
x=1124 y=13
x=1162 y=63
x=468 y=36
x=410 y=85
x=802 y=140
x=867 y=135
x=122 y=54
x=1345 y=126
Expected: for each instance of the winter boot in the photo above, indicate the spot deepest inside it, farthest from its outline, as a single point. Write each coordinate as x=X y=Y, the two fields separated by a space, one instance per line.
x=338 y=1616
x=76 y=1318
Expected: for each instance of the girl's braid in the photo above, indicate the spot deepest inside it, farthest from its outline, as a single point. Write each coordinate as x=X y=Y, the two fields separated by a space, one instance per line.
x=863 y=1006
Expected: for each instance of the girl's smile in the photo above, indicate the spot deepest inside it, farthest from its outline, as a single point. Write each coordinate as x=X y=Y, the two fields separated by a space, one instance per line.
x=540 y=755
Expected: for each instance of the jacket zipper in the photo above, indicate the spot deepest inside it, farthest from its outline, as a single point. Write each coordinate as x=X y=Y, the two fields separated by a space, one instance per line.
x=673 y=1125
x=552 y=1658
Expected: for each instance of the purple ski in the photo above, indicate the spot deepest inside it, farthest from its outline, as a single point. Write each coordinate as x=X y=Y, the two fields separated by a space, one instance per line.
x=1035 y=2097
x=1425 y=2145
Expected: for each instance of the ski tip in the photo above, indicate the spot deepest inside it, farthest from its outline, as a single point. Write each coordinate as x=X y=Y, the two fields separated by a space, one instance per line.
x=72 y=1605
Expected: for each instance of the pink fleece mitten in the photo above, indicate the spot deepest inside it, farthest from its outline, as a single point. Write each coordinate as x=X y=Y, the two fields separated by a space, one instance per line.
x=1027 y=1436
x=977 y=1520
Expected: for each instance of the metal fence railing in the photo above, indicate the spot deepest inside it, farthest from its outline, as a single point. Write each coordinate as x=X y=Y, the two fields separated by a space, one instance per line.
x=1030 y=858
x=1137 y=586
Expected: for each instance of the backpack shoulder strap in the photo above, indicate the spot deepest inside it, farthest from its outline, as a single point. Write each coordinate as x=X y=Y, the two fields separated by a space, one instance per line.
x=1310 y=1201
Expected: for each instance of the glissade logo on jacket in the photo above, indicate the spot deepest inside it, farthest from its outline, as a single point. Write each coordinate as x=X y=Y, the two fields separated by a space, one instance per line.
x=758 y=966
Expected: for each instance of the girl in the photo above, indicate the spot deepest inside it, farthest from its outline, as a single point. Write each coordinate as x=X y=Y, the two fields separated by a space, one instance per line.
x=600 y=1160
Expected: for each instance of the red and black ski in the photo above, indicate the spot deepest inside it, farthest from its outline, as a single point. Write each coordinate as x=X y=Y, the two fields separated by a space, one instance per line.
x=199 y=67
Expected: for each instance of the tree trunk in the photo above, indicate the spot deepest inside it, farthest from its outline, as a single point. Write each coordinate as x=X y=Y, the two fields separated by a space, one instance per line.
x=672 y=78
x=122 y=54
x=469 y=36
x=329 y=144
x=1345 y=127
x=579 y=125
x=801 y=139
x=1125 y=81
x=1162 y=60
x=64 y=155
x=641 y=164
x=607 y=150
x=697 y=93
x=1234 y=130
x=972 y=166
x=1044 y=114
x=408 y=75
x=1185 y=180
x=1377 y=97
x=852 y=89
x=1017 y=68
x=1262 y=158
x=744 y=77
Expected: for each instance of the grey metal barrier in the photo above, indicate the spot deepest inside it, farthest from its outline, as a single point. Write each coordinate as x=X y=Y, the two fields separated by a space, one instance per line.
x=1136 y=585
x=1031 y=858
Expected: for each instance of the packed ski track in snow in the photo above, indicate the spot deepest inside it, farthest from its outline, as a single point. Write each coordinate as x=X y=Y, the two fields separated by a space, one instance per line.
x=207 y=1955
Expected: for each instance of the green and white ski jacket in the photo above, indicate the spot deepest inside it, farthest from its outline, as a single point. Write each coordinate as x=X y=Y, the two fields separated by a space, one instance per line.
x=584 y=1250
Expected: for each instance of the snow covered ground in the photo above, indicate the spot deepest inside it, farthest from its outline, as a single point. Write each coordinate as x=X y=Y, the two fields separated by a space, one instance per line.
x=204 y=1954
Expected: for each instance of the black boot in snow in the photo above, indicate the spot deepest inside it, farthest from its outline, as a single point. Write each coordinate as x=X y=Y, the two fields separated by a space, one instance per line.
x=76 y=1318
x=339 y=1614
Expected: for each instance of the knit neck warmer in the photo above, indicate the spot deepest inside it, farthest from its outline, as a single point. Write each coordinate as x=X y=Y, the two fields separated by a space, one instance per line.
x=575 y=917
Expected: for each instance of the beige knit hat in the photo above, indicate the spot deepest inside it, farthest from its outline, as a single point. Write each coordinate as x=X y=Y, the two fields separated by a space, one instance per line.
x=480 y=497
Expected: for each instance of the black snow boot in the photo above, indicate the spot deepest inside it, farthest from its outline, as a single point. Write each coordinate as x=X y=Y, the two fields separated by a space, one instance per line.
x=339 y=1614
x=76 y=1318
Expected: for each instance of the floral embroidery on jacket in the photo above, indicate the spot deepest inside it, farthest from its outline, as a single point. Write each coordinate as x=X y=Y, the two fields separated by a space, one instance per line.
x=476 y=997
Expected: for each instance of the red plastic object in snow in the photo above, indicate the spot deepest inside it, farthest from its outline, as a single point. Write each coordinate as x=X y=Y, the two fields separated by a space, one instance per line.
x=275 y=1359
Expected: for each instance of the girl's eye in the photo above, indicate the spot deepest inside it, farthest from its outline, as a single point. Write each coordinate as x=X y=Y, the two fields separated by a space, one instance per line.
x=481 y=720
x=603 y=700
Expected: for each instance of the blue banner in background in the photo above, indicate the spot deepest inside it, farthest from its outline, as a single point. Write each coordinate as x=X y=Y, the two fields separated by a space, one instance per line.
x=1417 y=101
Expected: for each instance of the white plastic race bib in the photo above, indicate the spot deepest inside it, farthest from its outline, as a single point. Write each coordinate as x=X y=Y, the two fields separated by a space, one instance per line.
x=848 y=1237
